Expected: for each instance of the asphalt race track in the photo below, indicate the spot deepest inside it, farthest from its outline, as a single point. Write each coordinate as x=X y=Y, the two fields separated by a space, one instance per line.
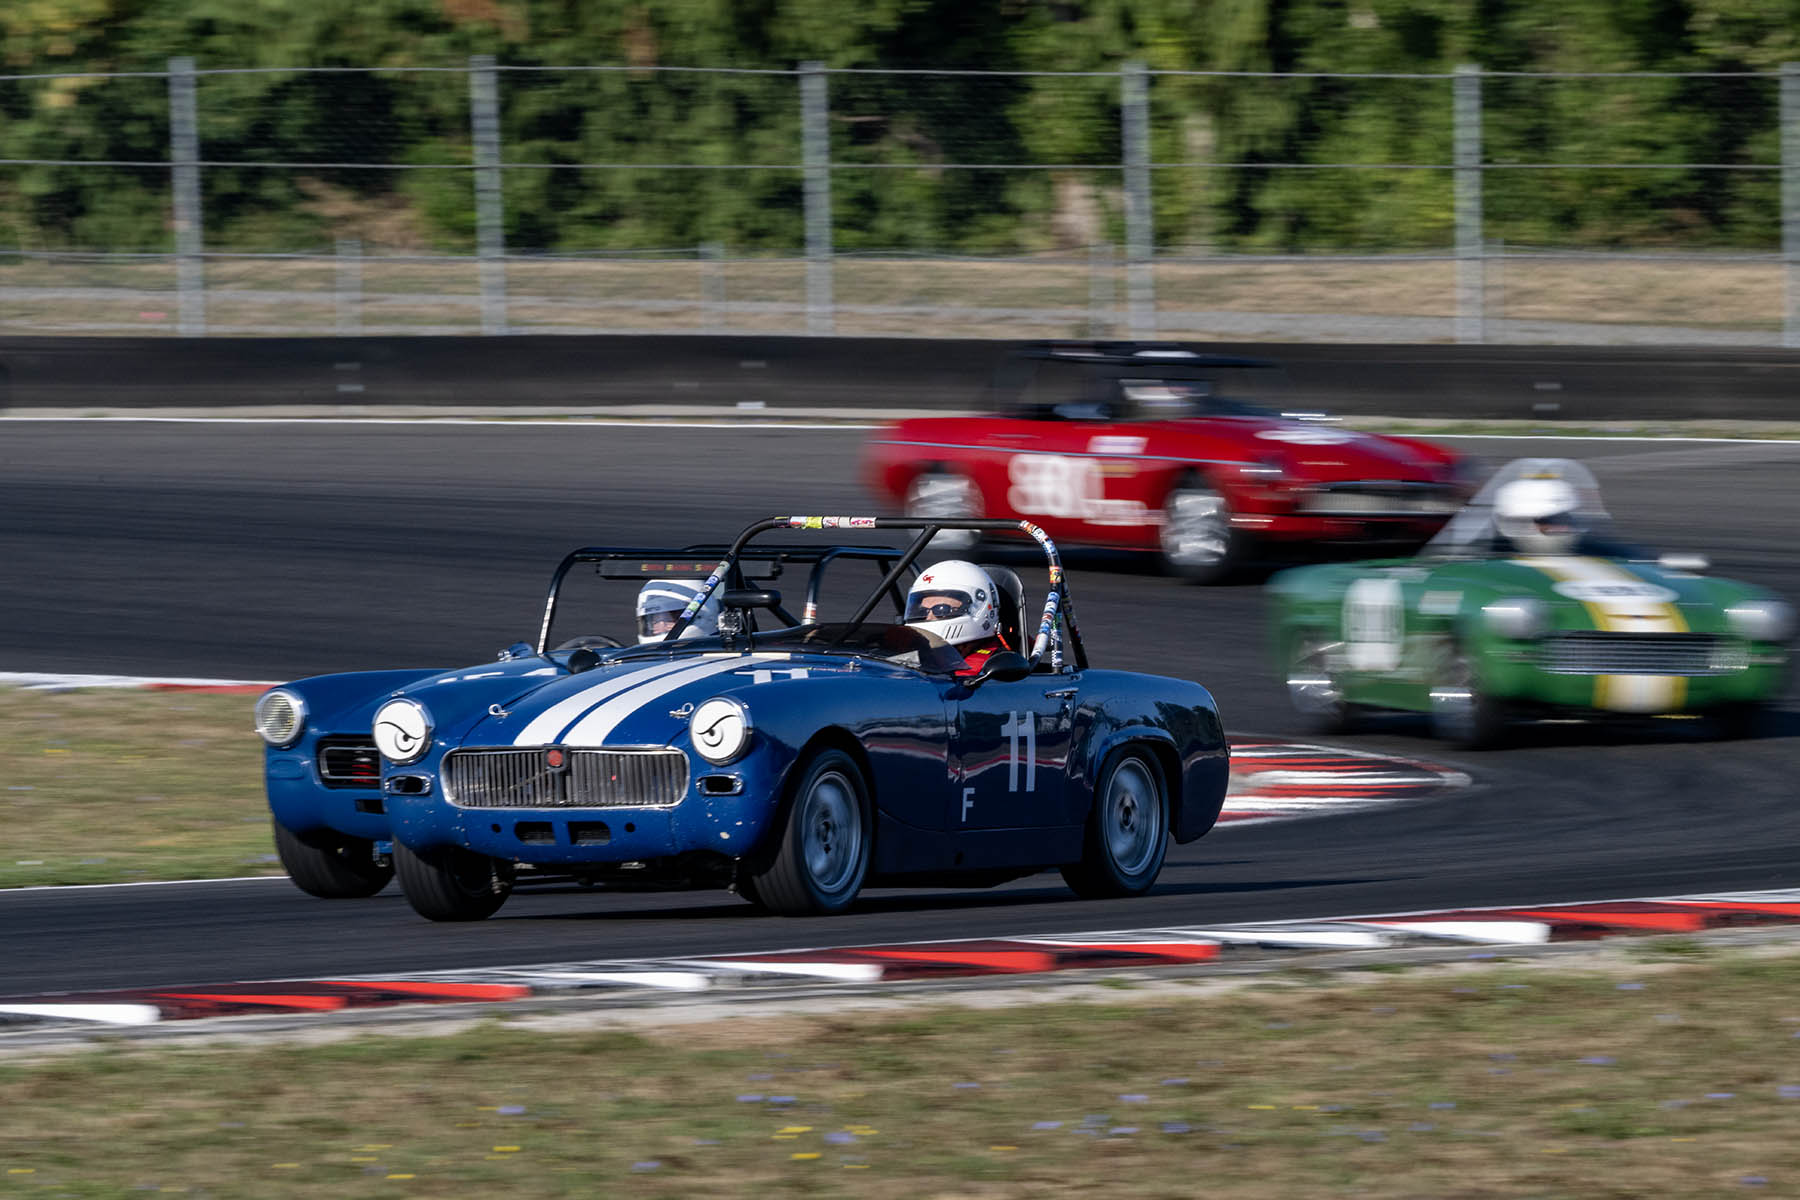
x=275 y=550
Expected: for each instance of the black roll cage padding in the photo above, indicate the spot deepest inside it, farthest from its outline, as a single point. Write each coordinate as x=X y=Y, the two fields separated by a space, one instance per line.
x=1057 y=603
x=777 y=556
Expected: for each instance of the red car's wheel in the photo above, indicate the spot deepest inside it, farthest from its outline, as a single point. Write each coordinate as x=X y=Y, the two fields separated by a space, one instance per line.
x=1197 y=539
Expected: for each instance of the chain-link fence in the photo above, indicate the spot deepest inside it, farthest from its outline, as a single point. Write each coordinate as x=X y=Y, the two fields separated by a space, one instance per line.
x=1470 y=207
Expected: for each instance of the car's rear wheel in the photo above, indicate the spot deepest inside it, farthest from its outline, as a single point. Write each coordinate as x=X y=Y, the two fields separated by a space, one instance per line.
x=824 y=849
x=449 y=883
x=331 y=865
x=1314 y=689
x=1127 y=831
x=1197 y=540
x=943 y=494
x=1462 y=712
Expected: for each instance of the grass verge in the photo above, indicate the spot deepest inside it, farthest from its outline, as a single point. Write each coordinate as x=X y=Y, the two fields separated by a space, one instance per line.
x=110 y=786
x=1647 y=1078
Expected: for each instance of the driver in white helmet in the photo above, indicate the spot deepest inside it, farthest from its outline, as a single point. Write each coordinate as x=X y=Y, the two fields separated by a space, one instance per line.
x=1539 y=516
x=956 y=601
x=660 y=603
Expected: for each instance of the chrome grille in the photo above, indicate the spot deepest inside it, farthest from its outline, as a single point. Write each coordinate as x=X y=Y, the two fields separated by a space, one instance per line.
x=1632 y=654
x=511 y=778
x=1379 y=498
x=347 y=763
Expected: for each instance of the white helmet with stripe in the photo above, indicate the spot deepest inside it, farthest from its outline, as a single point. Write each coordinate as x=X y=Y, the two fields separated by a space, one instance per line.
x=660 y=603
x=954 y=600
x=1539 y=516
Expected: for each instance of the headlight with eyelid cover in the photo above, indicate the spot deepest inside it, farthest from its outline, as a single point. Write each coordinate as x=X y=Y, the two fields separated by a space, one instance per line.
x=720 y=729
x=402 y=730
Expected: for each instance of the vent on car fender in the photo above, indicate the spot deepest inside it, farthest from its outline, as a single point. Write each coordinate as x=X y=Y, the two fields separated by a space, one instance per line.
x=348 y=762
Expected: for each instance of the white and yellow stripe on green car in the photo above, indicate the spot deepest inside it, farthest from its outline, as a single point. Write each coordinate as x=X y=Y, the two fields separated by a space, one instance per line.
x=1618 y=601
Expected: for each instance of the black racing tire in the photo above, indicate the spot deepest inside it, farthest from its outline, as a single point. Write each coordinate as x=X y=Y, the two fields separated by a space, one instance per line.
x=941 y=491
x=1196 y=539
x=826 y=840
x=449 y=883
x=1316 y=694
x=1127 y=834
x=331 y=865
x=1462 y=711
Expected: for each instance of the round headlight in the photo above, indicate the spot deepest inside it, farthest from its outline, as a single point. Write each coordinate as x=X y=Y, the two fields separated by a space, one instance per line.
x=280 y=717
x=1761 y=620
x=402 y=731
x=1519 y=618
x=721 y=729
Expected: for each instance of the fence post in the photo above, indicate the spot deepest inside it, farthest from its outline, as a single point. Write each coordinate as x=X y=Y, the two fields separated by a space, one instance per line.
x=349 y=287
x=815 y=136
x=1134 y=116
x=184 y=157
x=1790 y=201
x=490 y=229
x=1466 y=115
x=713 y=315
x=1101 y=297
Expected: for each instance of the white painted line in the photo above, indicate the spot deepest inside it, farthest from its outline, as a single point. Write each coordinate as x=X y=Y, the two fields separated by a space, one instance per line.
x=49 y=681
x=522 y=422
x=141 y=883
x=675 y=981
x=1322 y=939
x=843 y=972
x=1603 y=437
x=107 y=1014
x=1529 y=933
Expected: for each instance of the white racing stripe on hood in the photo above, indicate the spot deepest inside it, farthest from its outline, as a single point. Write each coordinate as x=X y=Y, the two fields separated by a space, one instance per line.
x=546 y=728
x=593 y=729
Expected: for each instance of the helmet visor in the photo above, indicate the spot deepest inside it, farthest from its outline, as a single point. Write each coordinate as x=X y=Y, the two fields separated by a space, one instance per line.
x=937 y=605
x=653 y=625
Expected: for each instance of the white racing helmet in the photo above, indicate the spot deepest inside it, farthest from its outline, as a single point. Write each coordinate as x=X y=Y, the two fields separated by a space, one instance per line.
x=954 y=600
x=660 y=603
x=1539 y=516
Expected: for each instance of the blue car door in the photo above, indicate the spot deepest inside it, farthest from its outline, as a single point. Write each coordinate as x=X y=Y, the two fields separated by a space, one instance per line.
x=1010 y=751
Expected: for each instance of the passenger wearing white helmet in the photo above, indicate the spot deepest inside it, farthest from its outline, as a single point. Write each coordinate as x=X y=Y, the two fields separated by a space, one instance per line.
x=1539 y=516
x=957 y=601
x=660 y=603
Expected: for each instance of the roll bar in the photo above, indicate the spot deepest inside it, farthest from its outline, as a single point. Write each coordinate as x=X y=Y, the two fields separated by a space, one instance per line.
x=1056 y=600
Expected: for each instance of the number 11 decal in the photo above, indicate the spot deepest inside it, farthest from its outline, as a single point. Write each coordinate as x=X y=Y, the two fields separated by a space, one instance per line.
x=1015 y=724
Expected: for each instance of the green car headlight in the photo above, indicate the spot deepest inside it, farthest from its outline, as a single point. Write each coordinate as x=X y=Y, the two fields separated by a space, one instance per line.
x=1761 y=620
x=1520 y=618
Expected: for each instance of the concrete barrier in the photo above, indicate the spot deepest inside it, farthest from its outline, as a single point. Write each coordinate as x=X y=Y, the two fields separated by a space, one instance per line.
x=872 y=375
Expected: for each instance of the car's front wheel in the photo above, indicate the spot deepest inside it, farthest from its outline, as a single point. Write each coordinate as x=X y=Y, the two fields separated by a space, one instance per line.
x=1314 y=689
x=1197 y=540
x=945 y=494
x=824 y=849
x=1463 y=712
x=449 y=883
x=331 y=865
x=1128 y=829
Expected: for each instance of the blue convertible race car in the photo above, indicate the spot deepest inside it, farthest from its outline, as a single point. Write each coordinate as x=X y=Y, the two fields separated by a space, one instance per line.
x=790 y=759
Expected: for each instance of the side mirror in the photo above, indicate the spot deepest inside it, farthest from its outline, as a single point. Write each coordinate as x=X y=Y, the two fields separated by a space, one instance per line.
x=749 y=598
x=1008 y=666
x=583 y=659
x=516 y=650
x=1691 y=564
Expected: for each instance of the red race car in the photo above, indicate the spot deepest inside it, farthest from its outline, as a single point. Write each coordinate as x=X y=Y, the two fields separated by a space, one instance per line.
x=1143 y=446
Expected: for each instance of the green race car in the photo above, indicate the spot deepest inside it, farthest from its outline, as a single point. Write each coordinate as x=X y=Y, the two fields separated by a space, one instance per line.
x=1520 y=607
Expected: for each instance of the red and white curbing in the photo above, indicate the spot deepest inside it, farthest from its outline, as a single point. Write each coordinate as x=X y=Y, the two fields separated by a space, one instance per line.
x=915 y=961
